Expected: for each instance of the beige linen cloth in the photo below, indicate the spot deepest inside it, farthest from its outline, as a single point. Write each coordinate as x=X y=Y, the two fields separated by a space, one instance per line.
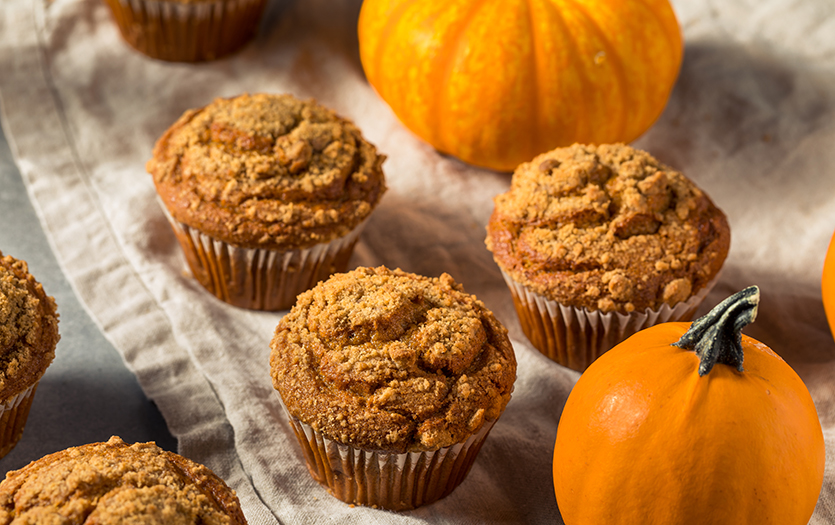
x=751 y=120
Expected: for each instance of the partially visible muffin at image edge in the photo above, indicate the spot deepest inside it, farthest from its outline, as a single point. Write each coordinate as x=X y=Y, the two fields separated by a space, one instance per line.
x=267 y=194
x=391 y=382
x=598 y=242
x=114 y=482
x=28 y=336
x=187 y=30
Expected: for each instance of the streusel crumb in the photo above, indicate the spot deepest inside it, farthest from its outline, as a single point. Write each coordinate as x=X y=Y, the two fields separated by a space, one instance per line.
x=116 y=483
x=267 y=171
x=390 y=360
x=28 y=328
x=607 y=228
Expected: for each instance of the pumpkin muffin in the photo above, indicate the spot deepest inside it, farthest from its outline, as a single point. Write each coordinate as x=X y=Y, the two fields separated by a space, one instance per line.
x=187 y=30
x=267 y=195
x=391 y=382
x=28 y=336
x=112 y=483
x=596 y=243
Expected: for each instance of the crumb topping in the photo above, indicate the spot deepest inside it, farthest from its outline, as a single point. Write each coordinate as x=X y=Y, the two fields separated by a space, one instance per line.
x=607 y=228
x=390 y=360
x=28 y=328
x=115 y=483
x=267 y=171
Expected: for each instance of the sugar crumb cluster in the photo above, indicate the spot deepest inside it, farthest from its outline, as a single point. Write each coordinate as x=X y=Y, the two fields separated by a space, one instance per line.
x=392 y=360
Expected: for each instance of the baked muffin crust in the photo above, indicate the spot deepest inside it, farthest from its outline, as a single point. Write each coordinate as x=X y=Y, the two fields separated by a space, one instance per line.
x=114 y=483
x=267 y=171
x=607 y=228
x=388 y=360
x=28 y=328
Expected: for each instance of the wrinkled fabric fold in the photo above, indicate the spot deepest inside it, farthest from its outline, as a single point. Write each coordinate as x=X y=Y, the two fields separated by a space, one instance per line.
x=750 y=121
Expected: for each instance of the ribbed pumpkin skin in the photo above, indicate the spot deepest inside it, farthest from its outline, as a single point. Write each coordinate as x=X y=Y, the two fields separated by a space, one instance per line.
x=496 y=82
x=644 y=440
x=828 y=285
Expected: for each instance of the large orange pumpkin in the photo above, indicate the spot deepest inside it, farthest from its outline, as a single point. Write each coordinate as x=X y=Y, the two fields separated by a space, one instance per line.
x=496 y=82
x=828 y=285
x=654 y=433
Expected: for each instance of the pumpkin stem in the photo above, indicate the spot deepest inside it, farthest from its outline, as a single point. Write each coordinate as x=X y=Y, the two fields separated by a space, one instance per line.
x=717 y=337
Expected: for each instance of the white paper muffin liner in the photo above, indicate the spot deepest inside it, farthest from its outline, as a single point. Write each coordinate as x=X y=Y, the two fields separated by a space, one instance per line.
x=258 y=278
x=387 y=480
x=187 y=31
x=13 y=415
x=575 y=337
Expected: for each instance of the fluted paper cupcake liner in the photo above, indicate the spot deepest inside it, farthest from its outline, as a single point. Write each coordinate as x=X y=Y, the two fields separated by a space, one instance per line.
x=13 y=415
x=187 y=31
x=257 y=278
x=575 y=337
x=386 y=480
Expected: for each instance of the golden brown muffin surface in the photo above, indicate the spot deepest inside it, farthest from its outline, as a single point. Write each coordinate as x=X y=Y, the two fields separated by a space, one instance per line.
x=115 y=483
x=267 y=171
x=607 y=228
x=389 y=360
x=28 y=328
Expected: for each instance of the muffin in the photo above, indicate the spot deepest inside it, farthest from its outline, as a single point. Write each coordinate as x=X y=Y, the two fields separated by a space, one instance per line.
x=28 y=335
x=187 y=30
x=267 y=195
x=391 y=382
x=113 y=482
x=596 y=243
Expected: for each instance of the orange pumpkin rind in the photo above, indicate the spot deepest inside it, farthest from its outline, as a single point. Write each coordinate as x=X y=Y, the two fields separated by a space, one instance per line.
x=644 y=438
x=497 y=82
x=828 y=285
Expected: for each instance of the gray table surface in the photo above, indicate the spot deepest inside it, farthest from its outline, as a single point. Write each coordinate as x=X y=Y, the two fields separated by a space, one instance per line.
x=87 y=394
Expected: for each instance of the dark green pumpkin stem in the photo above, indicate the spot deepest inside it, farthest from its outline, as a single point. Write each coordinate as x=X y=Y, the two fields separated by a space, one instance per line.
x=717 y=337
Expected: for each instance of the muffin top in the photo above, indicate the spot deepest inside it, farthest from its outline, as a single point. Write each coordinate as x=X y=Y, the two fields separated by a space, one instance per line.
x=389 y=360
x=28 y=328
x=116 y=483
x=267 y=171
x=607 y=228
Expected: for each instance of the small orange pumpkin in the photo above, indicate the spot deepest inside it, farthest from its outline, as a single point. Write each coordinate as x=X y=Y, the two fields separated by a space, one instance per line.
x=828 y=285
x=653 y=433
x=496 y=82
